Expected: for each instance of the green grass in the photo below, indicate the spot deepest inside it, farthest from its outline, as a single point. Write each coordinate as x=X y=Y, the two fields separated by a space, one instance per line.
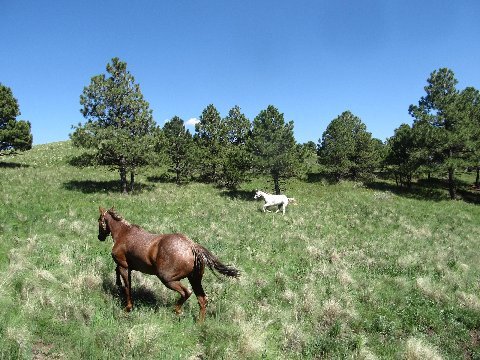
x=349 y=272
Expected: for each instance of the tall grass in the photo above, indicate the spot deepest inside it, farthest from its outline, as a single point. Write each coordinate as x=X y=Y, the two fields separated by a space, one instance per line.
x=349 y=272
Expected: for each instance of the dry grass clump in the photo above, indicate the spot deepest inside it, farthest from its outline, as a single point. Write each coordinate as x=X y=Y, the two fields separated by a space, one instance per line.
x=333 y=310
x=345 y=278
x=315 y=252
x=431 y=290
x=470 y=301
x=86 y=280
x=144 y=335
x=366 y=354
x=22 y=336
x=409 y=261
x=252 y=341
x=294 y=339
x=418 y=349
x=383 y=195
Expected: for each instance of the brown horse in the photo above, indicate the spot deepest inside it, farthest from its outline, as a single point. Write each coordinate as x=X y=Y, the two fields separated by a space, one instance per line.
x=171 y=257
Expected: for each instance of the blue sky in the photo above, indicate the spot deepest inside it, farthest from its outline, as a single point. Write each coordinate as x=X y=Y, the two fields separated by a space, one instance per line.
x=310 y=59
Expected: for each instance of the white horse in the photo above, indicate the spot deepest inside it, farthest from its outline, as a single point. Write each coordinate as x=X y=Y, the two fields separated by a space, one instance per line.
x=273 y=200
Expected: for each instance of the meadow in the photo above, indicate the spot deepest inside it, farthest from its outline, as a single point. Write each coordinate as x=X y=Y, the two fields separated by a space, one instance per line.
x=351 y=271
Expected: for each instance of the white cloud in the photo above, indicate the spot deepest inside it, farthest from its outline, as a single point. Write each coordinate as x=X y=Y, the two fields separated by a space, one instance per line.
x=192 y=122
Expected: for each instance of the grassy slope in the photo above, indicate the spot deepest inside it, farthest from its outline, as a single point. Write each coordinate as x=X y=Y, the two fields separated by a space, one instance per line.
x=348 y=272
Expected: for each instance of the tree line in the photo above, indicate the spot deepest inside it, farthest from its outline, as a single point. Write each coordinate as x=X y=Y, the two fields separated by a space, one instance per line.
x=229 y=150
x=120 y=132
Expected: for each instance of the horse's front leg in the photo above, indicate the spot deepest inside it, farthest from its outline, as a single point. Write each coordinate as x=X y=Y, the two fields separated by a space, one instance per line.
x=126 y=274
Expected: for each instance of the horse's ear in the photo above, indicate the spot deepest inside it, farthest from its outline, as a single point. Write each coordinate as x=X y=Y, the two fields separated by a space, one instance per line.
x=101 y=210
x=112 y=209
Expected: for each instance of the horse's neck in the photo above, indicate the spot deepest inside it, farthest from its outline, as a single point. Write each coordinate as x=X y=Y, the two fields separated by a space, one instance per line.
x=116 y=226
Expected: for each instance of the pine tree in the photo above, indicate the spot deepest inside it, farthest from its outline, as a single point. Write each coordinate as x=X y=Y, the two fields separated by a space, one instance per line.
x=237 y=161
x=347 y=149
x=179 y=147
x=210 y=138
x=14 y=134
x=273 y=146
x=445 y=116
x=119 y=127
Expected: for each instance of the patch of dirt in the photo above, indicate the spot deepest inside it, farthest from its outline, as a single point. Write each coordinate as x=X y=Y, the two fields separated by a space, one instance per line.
x=42 y=351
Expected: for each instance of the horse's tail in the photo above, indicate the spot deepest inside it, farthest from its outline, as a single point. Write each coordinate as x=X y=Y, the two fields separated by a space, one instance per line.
x=204 y=257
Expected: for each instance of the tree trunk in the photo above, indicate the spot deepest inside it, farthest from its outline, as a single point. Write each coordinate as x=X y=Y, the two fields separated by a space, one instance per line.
x=132 y=180
x=451 y=183
x=123 y=179
x=177 y=173
x=409 y=181
x=276 y=182
x=477 y=179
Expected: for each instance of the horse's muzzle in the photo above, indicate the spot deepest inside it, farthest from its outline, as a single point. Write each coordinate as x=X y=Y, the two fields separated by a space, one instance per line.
x=101 y=238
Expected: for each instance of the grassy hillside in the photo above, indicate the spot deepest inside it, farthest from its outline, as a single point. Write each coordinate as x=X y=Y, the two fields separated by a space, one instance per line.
x=350 y=272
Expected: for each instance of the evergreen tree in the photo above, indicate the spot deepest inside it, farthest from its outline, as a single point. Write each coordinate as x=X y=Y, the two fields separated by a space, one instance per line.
x=273 y=146
x=346 y=149
x=14 y=134
x=179 y=147
x=119 y=127
x=210 y=138
x=442 y=112
x=469 y=103
x=404 y=154
x=236 y=158
x=307 y=158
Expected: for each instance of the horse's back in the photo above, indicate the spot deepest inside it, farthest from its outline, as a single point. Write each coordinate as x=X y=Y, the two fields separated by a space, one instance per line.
x=174 y=244
x=278 y=199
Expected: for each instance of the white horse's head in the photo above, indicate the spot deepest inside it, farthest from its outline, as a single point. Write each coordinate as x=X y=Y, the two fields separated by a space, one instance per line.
x=258 y=194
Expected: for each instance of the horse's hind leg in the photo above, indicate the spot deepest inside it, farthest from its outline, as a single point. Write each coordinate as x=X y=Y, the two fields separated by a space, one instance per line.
x=118 y=281
x=196 y=282
x=182 y=290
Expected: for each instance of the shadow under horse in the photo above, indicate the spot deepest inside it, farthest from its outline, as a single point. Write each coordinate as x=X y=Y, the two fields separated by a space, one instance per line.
x=171 y=257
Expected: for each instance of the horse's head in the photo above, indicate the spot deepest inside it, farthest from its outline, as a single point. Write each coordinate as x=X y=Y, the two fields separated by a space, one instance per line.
x=257 y=194
x=103 y=229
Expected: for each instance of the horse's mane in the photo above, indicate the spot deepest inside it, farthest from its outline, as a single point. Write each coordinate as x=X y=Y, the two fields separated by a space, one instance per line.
x=118 y=217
